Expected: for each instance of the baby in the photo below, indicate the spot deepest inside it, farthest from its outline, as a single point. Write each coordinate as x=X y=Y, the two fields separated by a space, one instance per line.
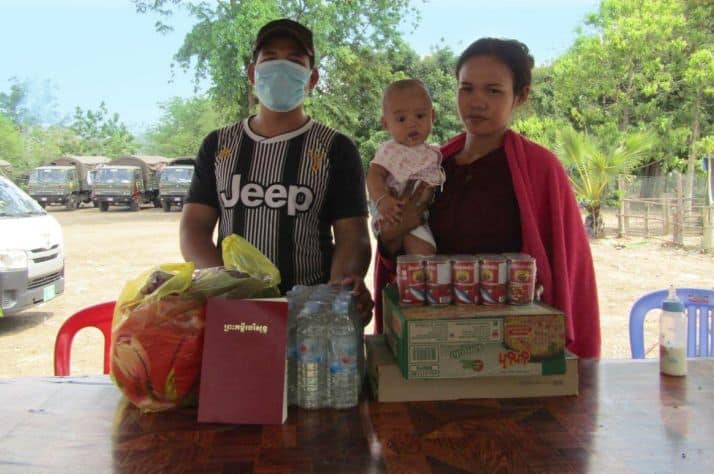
x=407 y=114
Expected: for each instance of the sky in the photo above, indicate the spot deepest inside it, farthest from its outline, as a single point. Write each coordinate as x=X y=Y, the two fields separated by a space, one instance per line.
x=84 y=52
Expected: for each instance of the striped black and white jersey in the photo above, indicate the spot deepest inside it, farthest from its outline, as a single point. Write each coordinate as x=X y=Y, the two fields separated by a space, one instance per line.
x=282 y=193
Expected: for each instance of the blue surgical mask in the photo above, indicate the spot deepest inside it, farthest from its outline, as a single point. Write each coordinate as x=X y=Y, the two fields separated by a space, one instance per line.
x=281 y=84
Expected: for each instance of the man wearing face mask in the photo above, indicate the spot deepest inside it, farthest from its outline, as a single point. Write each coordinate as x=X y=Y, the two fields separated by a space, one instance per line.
x=284 y=182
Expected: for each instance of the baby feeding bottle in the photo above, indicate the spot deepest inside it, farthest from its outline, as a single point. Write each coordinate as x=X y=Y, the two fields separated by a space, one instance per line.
x=672 y=336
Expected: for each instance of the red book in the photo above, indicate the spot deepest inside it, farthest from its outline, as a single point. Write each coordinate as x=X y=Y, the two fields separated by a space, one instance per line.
x=244 y=360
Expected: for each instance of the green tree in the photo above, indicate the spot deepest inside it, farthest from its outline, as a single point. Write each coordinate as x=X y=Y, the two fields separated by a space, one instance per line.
x=698 y=81
x=592 y=166
x=220 y=45
x=362 y=119
x=10 y=141
x=13 y=104
x=42 y=144
x=182 y=126
x=642 y=65
x=28 y=104
x=99 y=133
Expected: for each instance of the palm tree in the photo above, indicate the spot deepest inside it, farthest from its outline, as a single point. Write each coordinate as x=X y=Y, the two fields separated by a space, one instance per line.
x=592 y=166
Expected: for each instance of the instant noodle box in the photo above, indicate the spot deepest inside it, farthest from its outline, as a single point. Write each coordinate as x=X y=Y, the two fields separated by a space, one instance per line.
x=458 y=341
x=388 y=385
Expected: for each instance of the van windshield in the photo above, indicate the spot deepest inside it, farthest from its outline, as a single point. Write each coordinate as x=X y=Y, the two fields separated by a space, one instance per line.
x=176 y=175
x=112 y=175
x=15 y=203
x=48 y=176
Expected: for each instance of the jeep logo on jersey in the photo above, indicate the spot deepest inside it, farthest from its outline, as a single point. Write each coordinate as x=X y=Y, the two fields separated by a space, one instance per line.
x=297 y=198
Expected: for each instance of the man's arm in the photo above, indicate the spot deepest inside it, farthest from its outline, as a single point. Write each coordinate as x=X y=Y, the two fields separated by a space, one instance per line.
x=352 y=248
x=196 y=235
x=351 y=261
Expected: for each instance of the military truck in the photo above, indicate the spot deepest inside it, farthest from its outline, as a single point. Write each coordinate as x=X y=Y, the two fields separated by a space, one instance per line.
x=174 y=181
x=128 y=181
x=66 y=180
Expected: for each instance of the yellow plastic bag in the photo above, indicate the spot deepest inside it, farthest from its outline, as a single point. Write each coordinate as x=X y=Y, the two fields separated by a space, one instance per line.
x=177 y=280
x=246 y=273
x=157 y=331
x=239 y=254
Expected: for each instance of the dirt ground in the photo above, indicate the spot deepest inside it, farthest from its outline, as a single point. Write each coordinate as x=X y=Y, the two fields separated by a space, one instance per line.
x=103 y=250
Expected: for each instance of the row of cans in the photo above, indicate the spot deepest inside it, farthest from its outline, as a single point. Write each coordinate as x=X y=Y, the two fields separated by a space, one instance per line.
x=466 y=279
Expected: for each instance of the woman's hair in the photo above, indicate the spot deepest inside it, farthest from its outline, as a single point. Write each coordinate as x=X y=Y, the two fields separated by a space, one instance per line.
x=512 y=53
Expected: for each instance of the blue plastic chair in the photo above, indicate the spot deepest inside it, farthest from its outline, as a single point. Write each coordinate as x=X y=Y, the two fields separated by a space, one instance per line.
x=699 y=305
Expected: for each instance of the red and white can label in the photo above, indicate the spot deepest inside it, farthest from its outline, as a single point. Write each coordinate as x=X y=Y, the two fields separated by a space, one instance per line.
x=411 y=280
x=493 y=269
x=493 y=293
x=521 y=279
x=438 y=280
x=466 y=293
x=464 y=270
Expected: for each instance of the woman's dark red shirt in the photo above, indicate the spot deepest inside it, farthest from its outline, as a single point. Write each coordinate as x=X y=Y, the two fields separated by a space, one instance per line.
x=477 y=211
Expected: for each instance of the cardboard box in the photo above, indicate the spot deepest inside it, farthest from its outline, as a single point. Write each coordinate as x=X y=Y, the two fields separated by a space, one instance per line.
x=461 y=341
x=388 y=385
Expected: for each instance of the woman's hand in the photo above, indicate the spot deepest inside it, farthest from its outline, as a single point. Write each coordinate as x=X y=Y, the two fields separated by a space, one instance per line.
x=390 y=209
x=415 y=204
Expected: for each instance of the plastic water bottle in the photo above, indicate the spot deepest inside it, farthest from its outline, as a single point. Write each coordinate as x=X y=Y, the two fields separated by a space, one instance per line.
x=673 y=336
x=311 y=356
x=342 y=361
x=296 y=300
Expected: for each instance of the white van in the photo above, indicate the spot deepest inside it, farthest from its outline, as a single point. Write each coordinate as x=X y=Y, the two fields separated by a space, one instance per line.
x=31 y=251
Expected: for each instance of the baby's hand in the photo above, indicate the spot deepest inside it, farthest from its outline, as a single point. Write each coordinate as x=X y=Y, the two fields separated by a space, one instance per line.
x=390 y=209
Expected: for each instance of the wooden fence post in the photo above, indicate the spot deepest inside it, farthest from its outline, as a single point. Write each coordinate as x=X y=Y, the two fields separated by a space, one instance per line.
x=707 y=221
x=678 y=232
x=665 y=214
x=647 y=219
x=621 y=212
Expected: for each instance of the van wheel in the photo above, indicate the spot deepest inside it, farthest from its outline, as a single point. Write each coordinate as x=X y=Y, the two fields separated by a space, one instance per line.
x=166 y=205
x=103 y=206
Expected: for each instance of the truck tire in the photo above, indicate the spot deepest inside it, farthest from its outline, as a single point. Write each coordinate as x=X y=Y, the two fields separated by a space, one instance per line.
x=70 y=203
x=134 y=206
x=103 y=206
x=42 y=204
x=157 y=202
x=166 y=205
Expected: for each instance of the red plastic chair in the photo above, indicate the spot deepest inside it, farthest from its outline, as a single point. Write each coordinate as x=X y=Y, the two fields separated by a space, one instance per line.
x=98 y=316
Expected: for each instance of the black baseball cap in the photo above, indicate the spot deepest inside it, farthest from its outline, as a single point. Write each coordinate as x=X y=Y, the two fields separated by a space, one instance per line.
x=289 y=28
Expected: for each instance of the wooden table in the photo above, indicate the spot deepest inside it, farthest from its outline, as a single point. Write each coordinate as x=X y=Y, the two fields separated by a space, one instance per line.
x=627 y=418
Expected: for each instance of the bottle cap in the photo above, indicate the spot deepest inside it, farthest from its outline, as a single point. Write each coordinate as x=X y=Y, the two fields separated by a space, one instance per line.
x=673 y=304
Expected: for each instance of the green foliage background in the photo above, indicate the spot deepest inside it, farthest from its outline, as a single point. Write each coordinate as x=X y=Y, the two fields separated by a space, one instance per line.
x=637 y=67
